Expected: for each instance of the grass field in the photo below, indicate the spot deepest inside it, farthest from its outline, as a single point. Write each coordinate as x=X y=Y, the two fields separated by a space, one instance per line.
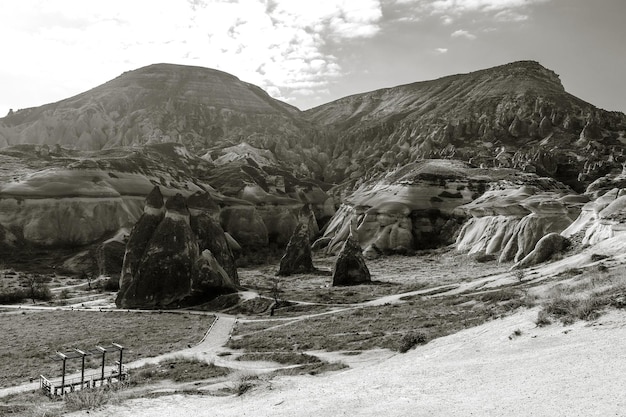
x=30 y=337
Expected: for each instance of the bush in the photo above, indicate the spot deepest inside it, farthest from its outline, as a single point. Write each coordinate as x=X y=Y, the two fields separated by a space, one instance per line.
x=543 y=319
x=570 y=310
x=244 y=383
x=410 y=340
x=12 y=296
x=88 y=399
x=112 y=284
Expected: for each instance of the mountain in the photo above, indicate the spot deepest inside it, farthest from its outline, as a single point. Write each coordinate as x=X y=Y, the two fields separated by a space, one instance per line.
x=516 y=116
x=410 y=164
x=201 y=108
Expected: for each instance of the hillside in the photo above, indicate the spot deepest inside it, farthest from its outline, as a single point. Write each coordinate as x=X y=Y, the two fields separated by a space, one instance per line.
x=515 y=116
x=199 y=107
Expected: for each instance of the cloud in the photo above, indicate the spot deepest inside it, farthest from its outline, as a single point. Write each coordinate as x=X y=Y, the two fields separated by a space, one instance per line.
x=510 y=16
x=461 y=6
x=451 y=10
x=446 y=20
x=441 y=50
x=282 y=45
x=463 y=34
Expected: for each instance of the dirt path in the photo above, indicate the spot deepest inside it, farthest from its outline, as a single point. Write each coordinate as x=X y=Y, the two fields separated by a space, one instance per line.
x=576 y=370
x=220 y=332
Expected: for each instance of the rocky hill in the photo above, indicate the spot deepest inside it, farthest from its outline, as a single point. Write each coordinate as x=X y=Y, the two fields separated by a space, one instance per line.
x=516 y=116
x=198 y=107
x=492 y=159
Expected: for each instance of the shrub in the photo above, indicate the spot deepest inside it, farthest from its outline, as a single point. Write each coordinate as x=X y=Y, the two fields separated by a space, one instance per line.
x=88 y=399
x=519 y=274
x=244 y=383
x=12 y=296
x=543 y=319
x=570 y=310
x=112 y=284
x=410 y=340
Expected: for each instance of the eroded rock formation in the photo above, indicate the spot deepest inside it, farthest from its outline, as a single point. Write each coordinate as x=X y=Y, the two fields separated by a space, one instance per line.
x=163 y=266
x=547 y=246
x=350 y=267
x=511 y=221
x=298 y=257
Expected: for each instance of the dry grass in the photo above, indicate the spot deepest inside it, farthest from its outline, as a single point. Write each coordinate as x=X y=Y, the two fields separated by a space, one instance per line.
x=367 y=327
x=177 y=370
x=390 y=275
x=286 y=358
x=584 y=296
x=30 y=337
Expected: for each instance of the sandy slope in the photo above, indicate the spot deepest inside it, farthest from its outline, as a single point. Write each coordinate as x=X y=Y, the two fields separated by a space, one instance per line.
x=579 y=370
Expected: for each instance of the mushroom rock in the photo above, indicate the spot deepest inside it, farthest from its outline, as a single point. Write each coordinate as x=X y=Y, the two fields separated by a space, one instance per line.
x=517 y=128
x=546 y=247
x=297 y=257
x=211 y=237
x=350 y=267
x=211 y=277
x=166 y=269
x=591 y=131
x=171 y=270
x=110 y=254
x=204 y=202
x=154 y=211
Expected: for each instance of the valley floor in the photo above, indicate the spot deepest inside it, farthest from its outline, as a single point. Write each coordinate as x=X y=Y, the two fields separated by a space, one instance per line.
x=575 y=370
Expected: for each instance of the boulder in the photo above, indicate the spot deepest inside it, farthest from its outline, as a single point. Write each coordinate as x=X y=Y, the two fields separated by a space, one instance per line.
x=546 y=247
x=350 y=267
x=297 y=257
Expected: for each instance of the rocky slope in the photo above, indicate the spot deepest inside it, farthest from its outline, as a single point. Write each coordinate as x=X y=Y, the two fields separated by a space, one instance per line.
x=424 y=204
x=516 y=115
x=198 y=107
x=60 y=197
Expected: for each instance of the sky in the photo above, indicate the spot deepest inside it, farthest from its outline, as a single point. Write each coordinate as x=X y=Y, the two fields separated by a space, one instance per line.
x=308 y=52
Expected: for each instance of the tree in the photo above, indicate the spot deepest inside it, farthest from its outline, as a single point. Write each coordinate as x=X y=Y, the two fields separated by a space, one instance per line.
x=37 y=288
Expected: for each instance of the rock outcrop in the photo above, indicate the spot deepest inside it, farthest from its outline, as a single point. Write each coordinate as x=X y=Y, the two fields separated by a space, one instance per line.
x=212 y=241
x=547 y=246
x=511 y=221
x=298 y=257
x=163 y=266
x=350 y=267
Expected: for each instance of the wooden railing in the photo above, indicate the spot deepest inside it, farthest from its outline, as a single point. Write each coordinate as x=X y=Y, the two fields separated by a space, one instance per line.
x=55 y=388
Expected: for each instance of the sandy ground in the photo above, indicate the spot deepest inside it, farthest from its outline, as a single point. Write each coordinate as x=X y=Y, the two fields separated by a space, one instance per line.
x=578 y=370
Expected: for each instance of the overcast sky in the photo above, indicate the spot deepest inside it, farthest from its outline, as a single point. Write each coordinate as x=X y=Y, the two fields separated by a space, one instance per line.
x=308 y=52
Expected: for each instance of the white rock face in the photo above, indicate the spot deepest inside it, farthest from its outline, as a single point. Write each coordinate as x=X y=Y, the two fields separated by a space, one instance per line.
x=512 y=221
x=601 y=219
x=406 y=209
